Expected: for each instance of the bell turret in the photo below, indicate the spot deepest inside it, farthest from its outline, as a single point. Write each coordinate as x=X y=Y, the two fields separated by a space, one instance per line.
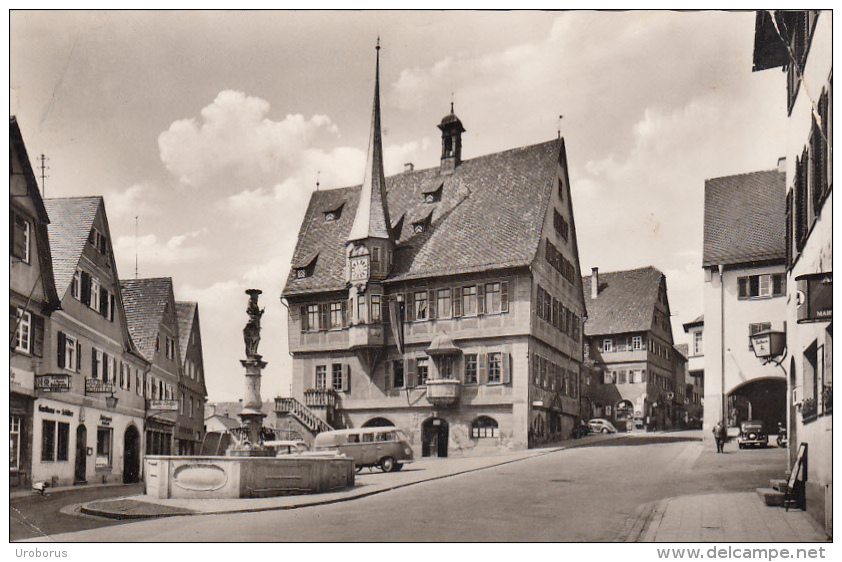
x=451 y=141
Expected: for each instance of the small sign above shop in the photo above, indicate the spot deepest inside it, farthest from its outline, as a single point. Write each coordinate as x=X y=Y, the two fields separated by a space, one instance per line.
x=97 y=386
x=815 y=297
x=53 y=383
x=163 y=405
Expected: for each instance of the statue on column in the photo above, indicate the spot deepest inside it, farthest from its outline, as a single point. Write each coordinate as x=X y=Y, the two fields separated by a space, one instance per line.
x=251 y=333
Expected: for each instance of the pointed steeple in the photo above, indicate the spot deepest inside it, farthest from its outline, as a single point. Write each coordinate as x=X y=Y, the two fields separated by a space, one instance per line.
x=372 y=218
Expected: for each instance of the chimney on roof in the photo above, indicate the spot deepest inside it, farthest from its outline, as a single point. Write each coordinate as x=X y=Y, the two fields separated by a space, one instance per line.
x=408 y=167
x=782 y=164
x=594 y=283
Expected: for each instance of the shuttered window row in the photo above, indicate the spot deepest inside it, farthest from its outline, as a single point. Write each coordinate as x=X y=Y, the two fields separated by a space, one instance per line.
x=477 y=368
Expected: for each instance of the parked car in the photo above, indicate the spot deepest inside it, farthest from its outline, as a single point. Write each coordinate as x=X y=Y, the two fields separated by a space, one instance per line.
x=752 y=433
x=285 y=447
x=599 y=425
x=386 y=447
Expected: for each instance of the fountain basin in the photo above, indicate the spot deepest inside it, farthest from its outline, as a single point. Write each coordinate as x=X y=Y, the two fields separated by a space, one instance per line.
x=210 y=477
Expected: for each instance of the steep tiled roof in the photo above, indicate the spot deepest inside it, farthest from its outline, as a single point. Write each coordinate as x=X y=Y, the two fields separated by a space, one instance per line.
x=626 y=301
x=144 y=301
x=683 y=349
x=745 y=218
x=185 y=311
x=489 y=216
x=71 y=220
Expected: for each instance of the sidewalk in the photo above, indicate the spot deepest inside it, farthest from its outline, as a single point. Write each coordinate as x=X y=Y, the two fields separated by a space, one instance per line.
x=724 y=518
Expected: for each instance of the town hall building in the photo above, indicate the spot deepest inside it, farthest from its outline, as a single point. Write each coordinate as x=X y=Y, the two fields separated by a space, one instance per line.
x=446 y=301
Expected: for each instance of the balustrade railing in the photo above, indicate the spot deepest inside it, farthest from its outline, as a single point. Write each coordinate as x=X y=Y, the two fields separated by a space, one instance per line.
x=314 y=423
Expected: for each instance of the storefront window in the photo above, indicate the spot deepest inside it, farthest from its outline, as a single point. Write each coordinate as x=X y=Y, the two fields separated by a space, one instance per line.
x=55 y=440
x=103 y=447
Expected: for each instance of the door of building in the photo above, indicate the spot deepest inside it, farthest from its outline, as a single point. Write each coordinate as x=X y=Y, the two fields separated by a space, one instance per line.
x=131 y=455
x=79 y=476
x=434 y=435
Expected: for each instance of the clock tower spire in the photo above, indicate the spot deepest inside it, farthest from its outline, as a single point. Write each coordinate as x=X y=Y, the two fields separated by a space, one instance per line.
x=370 y=244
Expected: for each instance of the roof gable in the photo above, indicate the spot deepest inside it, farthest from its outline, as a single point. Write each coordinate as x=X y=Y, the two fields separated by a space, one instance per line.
x=489 y=216
x=745 y=218
x=145 y=301
x=71 y=220
x=626 y=301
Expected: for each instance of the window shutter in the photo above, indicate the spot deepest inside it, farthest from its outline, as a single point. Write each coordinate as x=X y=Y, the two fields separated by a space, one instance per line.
x=387 y=369
x=409 y=372
x=103 y=301
x=457 y=302
x=507 y=368
x=431 y=304
x=38 y=336
x=86 y=288
x=106 y=368
x=482 y=368
x=78 y=357
x=304 y=318
x=344 y=307
x=112 y=303
x=323 y=317
x=94 y=373
x=60 y=345
x=504 y=296
x=346 y=378
x=743 y=287
x=789 y=229
x=409 y=303
x=384 y=310
x=13 y=325
x=480 y=298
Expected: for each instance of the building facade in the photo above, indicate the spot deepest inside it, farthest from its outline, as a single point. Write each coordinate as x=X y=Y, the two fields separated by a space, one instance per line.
x=191 y=386
x=446 y=301
x=744 y=293
x=153 y=324
x=88 y=421
x=801 y=43
x=637 y=379
x=32 y=300
x=696 y=369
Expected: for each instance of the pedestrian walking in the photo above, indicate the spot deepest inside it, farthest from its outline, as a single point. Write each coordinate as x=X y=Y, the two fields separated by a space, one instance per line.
x=720 y=434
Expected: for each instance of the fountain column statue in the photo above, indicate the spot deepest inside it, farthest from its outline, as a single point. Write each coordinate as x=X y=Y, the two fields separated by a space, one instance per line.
x=251 y=415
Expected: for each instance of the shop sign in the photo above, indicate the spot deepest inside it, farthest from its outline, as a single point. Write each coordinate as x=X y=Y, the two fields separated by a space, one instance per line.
x=104 y=420
x=163 y=405
x=814 y=297
x=50 y=410
x=53 y=383
x=21 y=380
x=97 y=386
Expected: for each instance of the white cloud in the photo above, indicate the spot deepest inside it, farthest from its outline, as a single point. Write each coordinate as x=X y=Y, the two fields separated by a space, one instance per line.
x=235 y=145
x=131 y=202
x=151 y=251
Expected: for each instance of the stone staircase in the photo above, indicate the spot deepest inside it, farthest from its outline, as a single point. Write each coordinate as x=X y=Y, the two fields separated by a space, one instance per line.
x=301 y=413
x=774 y=495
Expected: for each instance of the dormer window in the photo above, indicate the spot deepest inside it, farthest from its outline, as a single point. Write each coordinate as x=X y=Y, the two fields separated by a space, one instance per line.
x=333 y=214
x=304 y=267
x=423 y=225
x=434 y=195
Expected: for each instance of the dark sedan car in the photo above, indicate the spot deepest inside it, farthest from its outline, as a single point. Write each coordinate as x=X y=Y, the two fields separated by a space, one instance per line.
x=752 y=434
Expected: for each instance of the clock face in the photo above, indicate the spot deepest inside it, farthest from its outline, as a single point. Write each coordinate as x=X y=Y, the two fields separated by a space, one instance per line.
x=359 y=268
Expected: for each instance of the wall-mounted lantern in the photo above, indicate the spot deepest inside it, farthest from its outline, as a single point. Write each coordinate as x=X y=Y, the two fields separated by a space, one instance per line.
x=768 y=344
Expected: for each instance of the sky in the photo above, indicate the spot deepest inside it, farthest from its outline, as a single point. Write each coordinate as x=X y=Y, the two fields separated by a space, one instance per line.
x=206 y=133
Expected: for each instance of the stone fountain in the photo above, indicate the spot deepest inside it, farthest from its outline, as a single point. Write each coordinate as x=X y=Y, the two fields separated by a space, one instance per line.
x=249 y=469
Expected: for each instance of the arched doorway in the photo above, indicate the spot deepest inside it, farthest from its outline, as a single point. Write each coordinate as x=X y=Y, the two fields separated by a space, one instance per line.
x=131 y=455
x=434 y=435
x=378 y=422
x=761 y=399
x=81 y=455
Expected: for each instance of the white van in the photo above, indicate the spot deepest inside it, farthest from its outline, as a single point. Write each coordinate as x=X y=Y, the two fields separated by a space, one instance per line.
x=386 y=447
